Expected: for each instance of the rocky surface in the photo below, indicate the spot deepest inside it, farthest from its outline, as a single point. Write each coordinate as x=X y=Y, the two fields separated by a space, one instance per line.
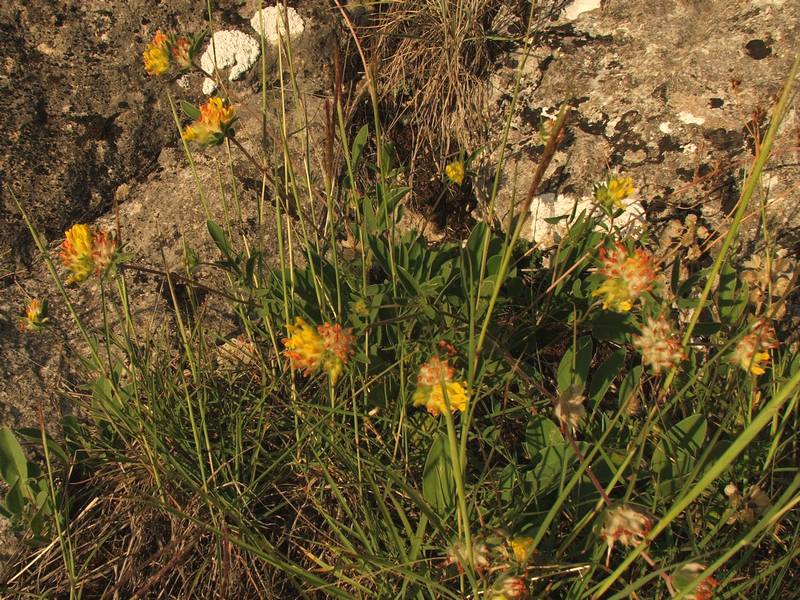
x=668 y=92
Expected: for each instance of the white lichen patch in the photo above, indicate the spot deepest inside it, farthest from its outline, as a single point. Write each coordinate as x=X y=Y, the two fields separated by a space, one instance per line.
x=275 y=22
x=578 y=7
x=232 y=49
x=665 y=127
x=549 y=206
x=689 y=118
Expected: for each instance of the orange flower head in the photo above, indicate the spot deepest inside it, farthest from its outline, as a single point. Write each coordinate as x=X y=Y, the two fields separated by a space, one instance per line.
x=156 y=55
x=213 y=124
x=181 y=53
x=659 y=347
x=104 y=248
x=77 y=252
x=752 y=351
x=437 y=391
x=338 y=344
x=626 y=277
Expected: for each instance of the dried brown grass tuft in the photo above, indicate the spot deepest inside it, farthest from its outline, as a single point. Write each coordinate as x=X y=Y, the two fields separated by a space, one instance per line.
x=434 y=57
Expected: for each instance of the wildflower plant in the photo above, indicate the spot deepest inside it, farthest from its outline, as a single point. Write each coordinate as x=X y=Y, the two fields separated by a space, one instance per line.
x=437 y=389
x=36 y=316
x=213 y=122
x=612 y=193
x=259 y=486
x=660 y=348
x=86 y=251
x=327 y=347
x=455 y=171
x=752 y=351
x=626 y=276
x=166 y=51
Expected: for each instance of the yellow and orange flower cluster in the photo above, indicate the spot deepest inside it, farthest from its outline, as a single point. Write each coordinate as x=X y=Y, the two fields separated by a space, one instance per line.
x=213 y=124
x=611 y=194
x=310 y=348
x=36 y=317
x=752 y=351
x=660 y=348
x=84 y=252
x=163 y=49
x=156 y=55
x=436 y=389
x=626 y=277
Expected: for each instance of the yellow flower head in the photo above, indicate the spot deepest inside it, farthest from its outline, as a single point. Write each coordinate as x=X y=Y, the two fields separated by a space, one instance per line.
x=181 y=53
x=361 y=308
x=522 y=547
x=659 y=347
x=36 y=317
x=212 y=125
x=752 y=351
x=77 y=252
x=455 y=172
x=327 y=347
x=613 y=191
x=436 y=389
x=156 y=55
x=626 y=277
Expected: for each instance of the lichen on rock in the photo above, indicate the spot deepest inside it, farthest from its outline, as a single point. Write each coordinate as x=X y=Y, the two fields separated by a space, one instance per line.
x=230 y=48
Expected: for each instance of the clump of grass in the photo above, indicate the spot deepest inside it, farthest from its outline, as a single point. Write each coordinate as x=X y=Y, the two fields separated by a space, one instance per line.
x=417 y=420
x=432 y=58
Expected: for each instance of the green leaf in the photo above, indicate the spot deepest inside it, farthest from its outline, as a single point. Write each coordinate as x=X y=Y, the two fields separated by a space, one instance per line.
x=733 y=295
x=437 y=478
x=190 y=110
x=13 y=463
x=688 y=435
x=540 y=433
x=550 y=464
x=358 y=146
x=605 y=374
x=629 y=387
x=675 y=455
x=15 y=501
x=577 y=373
x=219 y=238
x=610 y=325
